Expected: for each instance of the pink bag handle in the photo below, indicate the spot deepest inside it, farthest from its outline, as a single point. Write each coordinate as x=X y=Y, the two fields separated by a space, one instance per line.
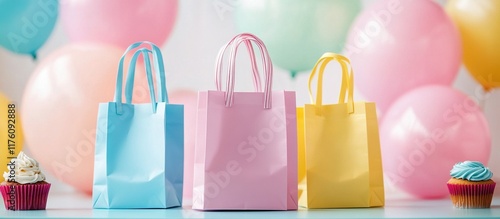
x=267 y=65
x=255 y=69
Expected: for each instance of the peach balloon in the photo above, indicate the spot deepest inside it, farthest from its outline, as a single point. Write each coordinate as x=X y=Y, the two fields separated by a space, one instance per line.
x=60 y=105
x=189 y=99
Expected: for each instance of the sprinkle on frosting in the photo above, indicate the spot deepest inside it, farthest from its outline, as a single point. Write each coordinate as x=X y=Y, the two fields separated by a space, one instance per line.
x=471 y=170
x=23 y=170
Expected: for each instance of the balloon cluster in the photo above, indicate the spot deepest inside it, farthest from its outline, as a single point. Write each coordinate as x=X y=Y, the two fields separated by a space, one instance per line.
x=406 y=55
x=395 y=48
x=67 y=86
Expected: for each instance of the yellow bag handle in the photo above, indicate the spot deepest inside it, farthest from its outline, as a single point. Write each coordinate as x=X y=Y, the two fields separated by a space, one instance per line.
x=347 y=85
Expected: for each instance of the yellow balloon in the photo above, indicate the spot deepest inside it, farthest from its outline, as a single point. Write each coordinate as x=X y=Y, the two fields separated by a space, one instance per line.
x=11 y=134
x=479 y=25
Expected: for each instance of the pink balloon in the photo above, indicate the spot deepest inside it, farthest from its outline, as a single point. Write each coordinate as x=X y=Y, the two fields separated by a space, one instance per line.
x=190 y=100
x=119 y=22
x=425 y=132
x=396 y=46
x=59 y=108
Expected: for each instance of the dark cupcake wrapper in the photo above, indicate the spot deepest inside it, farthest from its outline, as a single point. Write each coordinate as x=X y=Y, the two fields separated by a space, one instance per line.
x=25 y=197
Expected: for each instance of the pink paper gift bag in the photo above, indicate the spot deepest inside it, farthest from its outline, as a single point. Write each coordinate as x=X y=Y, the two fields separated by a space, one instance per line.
x=246 y=146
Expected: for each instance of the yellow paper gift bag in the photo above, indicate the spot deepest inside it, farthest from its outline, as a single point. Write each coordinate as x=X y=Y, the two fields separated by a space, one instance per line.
x=340 y=164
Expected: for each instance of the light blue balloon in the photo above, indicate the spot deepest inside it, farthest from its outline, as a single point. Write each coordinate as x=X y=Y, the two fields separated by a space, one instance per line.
x=25 y=25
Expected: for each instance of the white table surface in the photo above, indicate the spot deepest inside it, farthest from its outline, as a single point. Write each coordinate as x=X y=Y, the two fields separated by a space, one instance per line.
x=75 y=205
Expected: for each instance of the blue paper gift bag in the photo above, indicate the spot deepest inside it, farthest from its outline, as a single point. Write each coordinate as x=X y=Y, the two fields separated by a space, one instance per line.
x=139 y=148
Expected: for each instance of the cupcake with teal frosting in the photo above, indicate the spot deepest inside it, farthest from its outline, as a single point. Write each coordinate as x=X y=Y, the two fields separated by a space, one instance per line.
x=471 y=185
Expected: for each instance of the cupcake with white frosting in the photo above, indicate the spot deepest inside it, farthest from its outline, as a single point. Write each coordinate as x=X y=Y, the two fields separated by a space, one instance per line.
x=24 y=187
x=471 y=185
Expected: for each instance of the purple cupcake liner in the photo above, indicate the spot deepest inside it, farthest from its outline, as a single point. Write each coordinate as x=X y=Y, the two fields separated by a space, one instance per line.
x=471 y=195
x=25 y=197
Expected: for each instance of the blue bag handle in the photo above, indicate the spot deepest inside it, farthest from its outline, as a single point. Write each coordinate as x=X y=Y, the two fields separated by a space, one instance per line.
x=160 y=75
x=131 y=71
x=159 y=67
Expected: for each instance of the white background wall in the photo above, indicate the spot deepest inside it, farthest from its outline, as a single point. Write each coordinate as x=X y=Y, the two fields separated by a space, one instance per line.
x=189 y=56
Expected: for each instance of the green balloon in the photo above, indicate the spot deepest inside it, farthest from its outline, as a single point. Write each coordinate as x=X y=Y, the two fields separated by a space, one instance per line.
x=298 y=32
